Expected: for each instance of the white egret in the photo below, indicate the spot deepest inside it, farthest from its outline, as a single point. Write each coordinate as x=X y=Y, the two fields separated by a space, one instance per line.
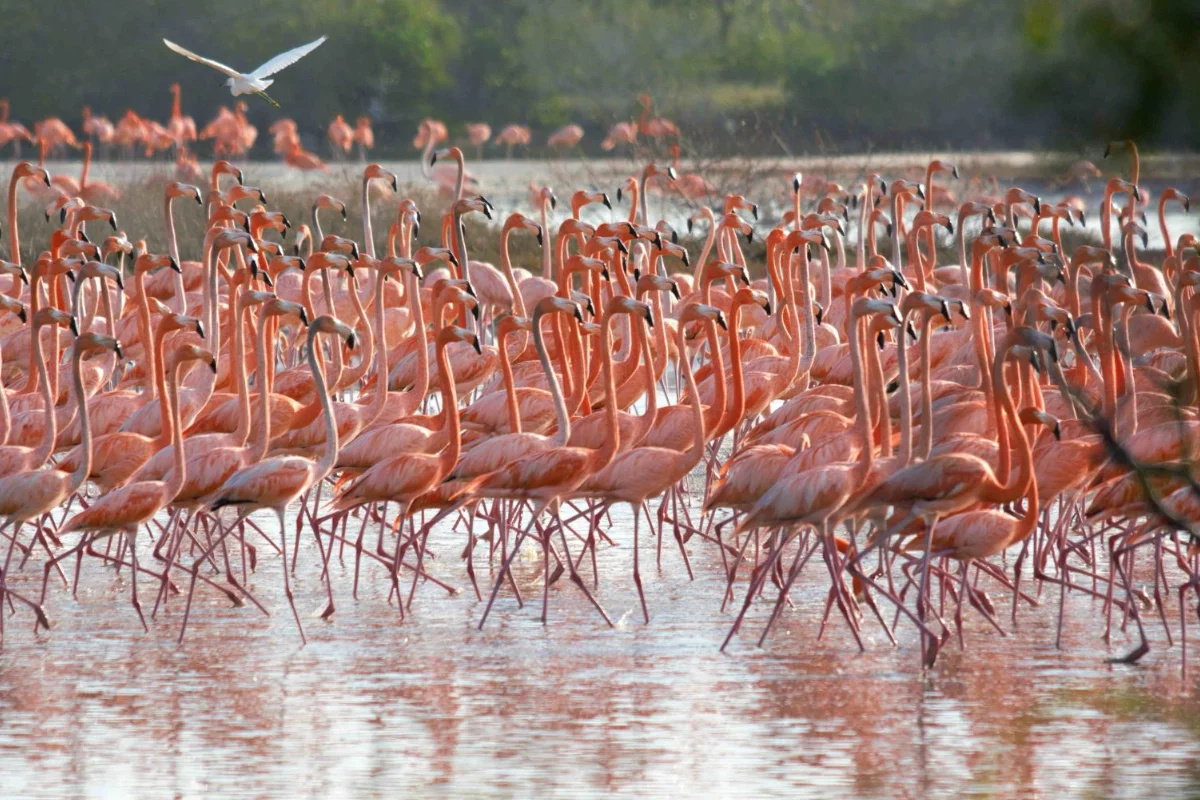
x=254 y=82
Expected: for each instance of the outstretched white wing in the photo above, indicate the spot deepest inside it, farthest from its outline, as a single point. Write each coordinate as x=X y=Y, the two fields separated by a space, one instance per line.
x=286 y=59
x=208 y=62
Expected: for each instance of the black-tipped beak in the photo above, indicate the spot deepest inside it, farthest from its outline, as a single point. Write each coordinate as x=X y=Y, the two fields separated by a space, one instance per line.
x=295 y=249
x=578 y=314
x=213 y=366
x=671 y=173
x=649 y=318
x=898 y=279
x=199 y=329
x=1057 y=431
x=417 y=272
x=880 y=341
x=1166 y=312
x=454 y=259
x=1037 y=205
x=70 y=275
x=286 y=223
x=946 y=310
x=618 y=194
x=912 y=332
x=796 y=184
x=745 y=276
x=24 y=277
x=540 y=242
x=117 y=349
x=721 y=321
x=120 y=282
x=475 y=312
x=690 y=224
x=174 y=265
x=1187 y=204
x=416 y=229
x=607 y=204
x=252 y=246
x=621 y=248
x=754 y=211
x=112 y=220
x=950 y=228
x=351 y=340
x=433 y=159
x=604 y=274
x=553 y=202
x=920 y=191
x=395 y=188
x=46 y=177
x=62 y=216
x=265 y=278
x=73 y=325
x=1035 y=363
x=637 y=274
x=1107 y=150
x=241 y=179
x=354 y=251
x=820 y=314
x=767 y=309
x=750 y=236
x=1150 y=305
x=675 y=290
x=591 y=308
x=199 y=199
x=303 y=317
x=478 y=347
x=343 y=210
x=21 y=315
x=687 y=262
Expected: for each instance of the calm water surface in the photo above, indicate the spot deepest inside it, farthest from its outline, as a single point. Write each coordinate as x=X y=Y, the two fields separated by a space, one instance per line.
x=431 y=706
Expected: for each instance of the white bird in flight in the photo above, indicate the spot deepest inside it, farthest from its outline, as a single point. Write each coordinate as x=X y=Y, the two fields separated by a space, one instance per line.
x=254 y=82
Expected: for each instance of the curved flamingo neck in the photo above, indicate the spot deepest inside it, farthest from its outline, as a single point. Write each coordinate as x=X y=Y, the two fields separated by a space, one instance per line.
x=450 y=421
x=330 y=448
x=368 y=231
x=509 y=278
x=421 y=387
x=179 y=457
x=860 y=399
x=510 y=389
x=257 y=448
x=696 y=451
x=49 y=429
x=563 y=433
x=85 y=425
x=714 y=413
x=14 y=241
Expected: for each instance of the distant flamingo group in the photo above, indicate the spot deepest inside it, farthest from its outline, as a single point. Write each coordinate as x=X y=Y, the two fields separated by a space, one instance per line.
x=911 y=441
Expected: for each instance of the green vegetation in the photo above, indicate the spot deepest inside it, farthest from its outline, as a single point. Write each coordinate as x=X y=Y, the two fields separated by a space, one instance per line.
x=805 y=75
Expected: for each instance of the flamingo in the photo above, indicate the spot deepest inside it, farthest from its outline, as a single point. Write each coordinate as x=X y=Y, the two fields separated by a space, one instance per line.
x=126 y=509
x=275 y=482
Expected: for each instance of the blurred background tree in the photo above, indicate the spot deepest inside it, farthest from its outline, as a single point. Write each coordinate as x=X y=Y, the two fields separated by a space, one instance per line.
x=767 y=75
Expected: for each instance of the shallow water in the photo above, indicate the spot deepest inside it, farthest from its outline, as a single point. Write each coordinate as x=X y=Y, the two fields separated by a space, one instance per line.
x=432 y=706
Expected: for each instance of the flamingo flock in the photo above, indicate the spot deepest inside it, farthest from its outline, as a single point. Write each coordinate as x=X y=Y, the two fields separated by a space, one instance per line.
x=919 y=441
